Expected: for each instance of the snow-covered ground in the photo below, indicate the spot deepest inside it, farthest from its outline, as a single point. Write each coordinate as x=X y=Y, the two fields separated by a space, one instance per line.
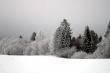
x=51 y=64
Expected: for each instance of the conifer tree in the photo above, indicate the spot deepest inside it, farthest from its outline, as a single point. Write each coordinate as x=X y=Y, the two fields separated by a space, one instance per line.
x=62 y=37
x=33 y=36
x=90 y=40
x=87 y=40
x=73 y=41
x=20 y=37
x=94 y=40
x=100 y=38
x=79 y=43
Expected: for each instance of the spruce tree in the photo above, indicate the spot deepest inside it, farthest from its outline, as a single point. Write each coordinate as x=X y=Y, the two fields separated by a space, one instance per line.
x=94 y=40
x=62 y=37
x=100 y=38
x=87 y=40
x=90 y=40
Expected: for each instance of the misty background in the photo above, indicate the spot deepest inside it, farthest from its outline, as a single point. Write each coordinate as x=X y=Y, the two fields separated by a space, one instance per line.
x=23 y=17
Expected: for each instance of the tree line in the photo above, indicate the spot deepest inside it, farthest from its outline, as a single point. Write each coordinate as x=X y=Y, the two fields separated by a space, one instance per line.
x=87 y=42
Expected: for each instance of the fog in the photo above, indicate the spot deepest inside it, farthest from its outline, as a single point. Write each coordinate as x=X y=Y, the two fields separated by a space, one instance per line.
x=22 y=17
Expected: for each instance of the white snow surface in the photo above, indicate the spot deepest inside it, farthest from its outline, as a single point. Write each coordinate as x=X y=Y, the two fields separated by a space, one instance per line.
x=51 y=64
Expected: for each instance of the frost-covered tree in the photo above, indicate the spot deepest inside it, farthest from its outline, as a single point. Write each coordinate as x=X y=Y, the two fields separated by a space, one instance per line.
x=33 y=36
x=40 y=36
x=103 y=50
x=62 y=37
x=108 y=30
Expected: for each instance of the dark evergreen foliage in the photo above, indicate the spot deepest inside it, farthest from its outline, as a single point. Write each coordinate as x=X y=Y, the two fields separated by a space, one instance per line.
x=94 y=41
x=90 y=40
x=33 y=36
x=20 y=37
x=100 y=38
x=79 y=43
x=87 y=40
x=73 y=41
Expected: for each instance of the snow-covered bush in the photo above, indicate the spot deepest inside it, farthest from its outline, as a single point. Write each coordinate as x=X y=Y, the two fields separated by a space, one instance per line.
x=5 y=43
x=43 y=46
x=30 y=50
x=12 y=46
x=15 y=50
x=40 y=36
x=90 y=56
x=79 y=55
x=64 y=52
x=38 y=48
x=51 y=46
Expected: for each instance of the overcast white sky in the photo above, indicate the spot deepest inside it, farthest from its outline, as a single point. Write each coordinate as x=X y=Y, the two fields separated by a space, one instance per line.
x=26 y=16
